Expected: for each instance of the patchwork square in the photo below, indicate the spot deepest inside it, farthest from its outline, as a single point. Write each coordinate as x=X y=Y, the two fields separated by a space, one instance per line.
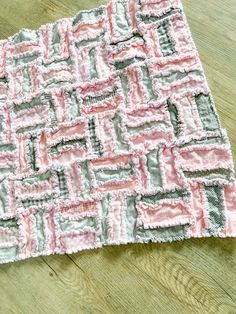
x=109 y=134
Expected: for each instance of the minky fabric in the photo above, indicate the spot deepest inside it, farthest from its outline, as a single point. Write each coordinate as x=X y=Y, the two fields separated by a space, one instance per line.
x=109 y=134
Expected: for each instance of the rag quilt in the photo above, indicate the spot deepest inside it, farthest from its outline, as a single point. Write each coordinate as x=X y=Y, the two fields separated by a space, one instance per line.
x=109 y=134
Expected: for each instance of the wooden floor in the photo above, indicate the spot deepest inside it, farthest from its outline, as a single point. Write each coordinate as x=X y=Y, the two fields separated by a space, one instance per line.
x=192 y=276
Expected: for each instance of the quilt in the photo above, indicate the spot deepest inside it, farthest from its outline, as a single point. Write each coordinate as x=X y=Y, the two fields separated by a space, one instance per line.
x=109 y=134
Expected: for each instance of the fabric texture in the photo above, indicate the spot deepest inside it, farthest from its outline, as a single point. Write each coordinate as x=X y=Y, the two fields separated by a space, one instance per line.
x=109 y=134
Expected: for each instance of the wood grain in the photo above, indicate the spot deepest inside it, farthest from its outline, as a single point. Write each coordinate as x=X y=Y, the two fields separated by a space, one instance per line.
x=191 y=276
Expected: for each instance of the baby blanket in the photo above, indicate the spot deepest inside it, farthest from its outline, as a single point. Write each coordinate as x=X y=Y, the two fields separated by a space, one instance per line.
x=109 y=134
